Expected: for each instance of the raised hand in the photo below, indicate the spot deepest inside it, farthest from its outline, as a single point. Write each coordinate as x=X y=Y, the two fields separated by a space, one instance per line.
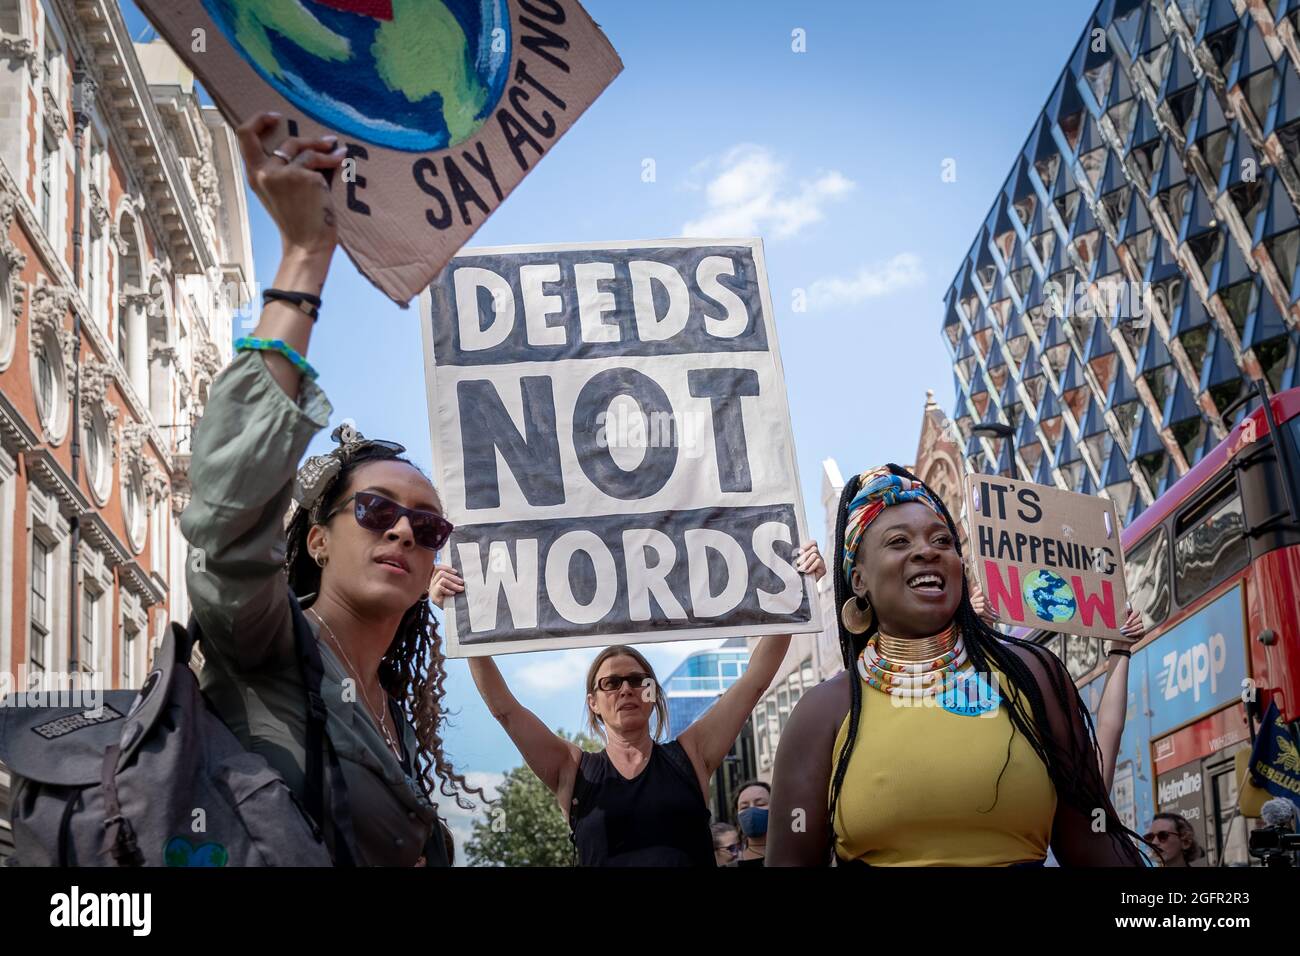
x=983 y=610
x=808 y=560
x=445 y=582
x=288 y=180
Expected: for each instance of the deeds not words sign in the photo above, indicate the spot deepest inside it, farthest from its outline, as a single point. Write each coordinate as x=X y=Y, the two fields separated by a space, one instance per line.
x=1047 y=559
x=443 y=105
x=612 y=441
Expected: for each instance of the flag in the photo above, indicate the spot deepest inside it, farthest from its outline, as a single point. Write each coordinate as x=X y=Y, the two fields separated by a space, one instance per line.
x=1275 y=759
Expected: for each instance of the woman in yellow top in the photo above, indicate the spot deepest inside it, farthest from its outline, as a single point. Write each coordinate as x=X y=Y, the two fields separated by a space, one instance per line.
x=942 y=743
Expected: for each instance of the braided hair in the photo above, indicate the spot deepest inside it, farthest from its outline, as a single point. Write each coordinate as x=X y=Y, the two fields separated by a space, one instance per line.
x=1076 y=777
x=412 y=669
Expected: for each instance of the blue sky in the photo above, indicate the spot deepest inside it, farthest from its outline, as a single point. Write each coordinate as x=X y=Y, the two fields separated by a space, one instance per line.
x=833 y=156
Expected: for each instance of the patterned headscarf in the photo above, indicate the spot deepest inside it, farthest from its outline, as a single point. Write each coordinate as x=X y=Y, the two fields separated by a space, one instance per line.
x=878 y=489
x=319 y=471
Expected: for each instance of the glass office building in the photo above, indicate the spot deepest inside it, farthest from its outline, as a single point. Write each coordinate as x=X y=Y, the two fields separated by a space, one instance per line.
x=1139 y=265
x=700 y=680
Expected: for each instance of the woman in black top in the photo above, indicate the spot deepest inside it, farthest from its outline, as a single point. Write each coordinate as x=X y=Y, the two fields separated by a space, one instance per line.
x=637 y=802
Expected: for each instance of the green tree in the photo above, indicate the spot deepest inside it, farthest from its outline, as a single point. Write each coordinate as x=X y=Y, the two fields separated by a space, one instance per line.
x=523 y=826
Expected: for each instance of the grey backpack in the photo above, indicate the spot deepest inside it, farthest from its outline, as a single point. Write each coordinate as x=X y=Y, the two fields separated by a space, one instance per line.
x=157 y=779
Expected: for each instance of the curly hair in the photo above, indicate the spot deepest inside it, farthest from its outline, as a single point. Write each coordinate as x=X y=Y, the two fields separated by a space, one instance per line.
x=1076 y=777
x=412 y=670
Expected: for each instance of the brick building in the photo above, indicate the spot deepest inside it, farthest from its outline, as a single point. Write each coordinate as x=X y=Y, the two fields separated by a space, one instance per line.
x=124 y=252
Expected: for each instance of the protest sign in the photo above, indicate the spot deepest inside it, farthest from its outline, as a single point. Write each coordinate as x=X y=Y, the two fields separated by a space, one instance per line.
x=612 y=441
x=1047 y=559
x=443 y=105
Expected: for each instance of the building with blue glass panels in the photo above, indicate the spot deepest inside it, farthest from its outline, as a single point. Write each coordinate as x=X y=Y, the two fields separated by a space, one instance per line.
x=1139 y=264
x=700 y=680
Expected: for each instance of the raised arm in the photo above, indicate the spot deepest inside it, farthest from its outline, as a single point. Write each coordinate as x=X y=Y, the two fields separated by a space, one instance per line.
x=550 y=756
x=1082 y=835
x=708 y=741
x=1113 y=709
x=257 y=423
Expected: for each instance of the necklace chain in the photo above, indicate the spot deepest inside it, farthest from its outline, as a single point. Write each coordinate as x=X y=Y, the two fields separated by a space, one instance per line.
x=383 y=724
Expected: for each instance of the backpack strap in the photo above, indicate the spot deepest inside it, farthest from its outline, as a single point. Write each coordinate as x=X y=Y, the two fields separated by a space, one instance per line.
x=319 y=745
x=121 y=835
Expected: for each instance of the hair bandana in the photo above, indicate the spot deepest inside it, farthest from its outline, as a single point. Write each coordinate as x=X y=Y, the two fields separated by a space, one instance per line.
x=878 y=489
x=319 y=471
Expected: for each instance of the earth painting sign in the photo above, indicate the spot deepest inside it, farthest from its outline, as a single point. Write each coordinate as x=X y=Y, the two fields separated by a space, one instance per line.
x=443 y=105
x=611 y=438
x=1047 y=559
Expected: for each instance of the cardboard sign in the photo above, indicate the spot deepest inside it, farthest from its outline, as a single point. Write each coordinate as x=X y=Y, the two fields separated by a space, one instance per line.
x=611 y=439
x=443 y=105
x=1046 y=558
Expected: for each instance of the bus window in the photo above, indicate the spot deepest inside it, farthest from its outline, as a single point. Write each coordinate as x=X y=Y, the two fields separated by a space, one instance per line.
x=1082 y=654
x=1210 y=544
x=1146 y=577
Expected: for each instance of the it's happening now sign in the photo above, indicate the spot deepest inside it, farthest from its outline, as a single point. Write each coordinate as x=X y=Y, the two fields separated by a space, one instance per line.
x=612 y=441
x=1047 y=559
x=443 y=105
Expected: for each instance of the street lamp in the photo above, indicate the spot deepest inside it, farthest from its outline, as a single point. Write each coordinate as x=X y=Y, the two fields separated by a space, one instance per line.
x=999 y=430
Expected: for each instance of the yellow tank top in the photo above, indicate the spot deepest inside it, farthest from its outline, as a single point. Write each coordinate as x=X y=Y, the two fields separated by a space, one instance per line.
x=920 y=786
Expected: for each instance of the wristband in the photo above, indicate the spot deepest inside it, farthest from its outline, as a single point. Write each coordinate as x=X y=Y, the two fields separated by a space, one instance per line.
x=250 y=344
x=1122 y=652
x=304 y=302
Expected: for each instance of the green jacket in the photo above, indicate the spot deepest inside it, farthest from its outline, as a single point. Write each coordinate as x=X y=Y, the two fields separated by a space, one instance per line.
x=246 y=452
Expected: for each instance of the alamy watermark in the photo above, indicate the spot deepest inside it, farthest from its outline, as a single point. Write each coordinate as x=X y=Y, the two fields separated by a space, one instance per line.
x=82 y=690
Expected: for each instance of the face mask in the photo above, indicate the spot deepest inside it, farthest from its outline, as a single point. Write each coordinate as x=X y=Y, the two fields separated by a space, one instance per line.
x=753 y=821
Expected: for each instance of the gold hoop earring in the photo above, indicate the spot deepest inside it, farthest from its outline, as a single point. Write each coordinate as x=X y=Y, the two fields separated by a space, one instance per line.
x=857 y=615
x=322 y=559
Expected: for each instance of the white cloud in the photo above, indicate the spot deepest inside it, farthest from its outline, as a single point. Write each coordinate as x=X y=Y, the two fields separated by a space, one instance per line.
x=871 y=281
x=751 y=194
x=556 y=670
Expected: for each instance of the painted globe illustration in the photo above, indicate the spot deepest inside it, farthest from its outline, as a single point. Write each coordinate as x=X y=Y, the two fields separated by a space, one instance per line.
x=413 y=75
x=1050 y=596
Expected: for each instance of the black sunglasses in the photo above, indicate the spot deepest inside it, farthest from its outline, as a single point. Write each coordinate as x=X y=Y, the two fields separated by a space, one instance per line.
x=615 y=681
x=377 y=513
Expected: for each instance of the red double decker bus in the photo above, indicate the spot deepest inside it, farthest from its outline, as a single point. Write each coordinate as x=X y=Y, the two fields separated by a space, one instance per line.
x=1214 y=568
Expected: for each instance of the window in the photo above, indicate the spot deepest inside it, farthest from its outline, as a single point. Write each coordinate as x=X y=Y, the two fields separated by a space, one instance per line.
x=48 y=378
x=1210 y=544
x=134 y=508
x=45 y=382
x=40 y=609
x=94 y=276
x=123 y=338
x=6 y=313
x=88 y=646
x=95 y=441
x=49 y=156
x=1146 y=578
x=130 y=647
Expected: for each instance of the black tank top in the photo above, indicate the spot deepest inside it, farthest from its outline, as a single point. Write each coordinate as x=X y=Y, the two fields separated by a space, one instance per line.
x=658 y=818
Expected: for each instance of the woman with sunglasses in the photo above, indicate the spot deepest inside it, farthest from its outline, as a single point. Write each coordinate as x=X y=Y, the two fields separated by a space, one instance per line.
x=360 y=551
x=638 y=802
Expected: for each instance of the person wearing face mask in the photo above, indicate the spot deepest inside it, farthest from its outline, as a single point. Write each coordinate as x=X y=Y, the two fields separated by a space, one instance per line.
x=942 y=743
x=638 y=802
x=751 y=816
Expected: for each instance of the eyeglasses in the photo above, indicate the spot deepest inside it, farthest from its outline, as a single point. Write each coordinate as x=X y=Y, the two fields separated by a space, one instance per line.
x=614 y=682
x=377 y=513
x=731 y=849
x=1162 y=836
